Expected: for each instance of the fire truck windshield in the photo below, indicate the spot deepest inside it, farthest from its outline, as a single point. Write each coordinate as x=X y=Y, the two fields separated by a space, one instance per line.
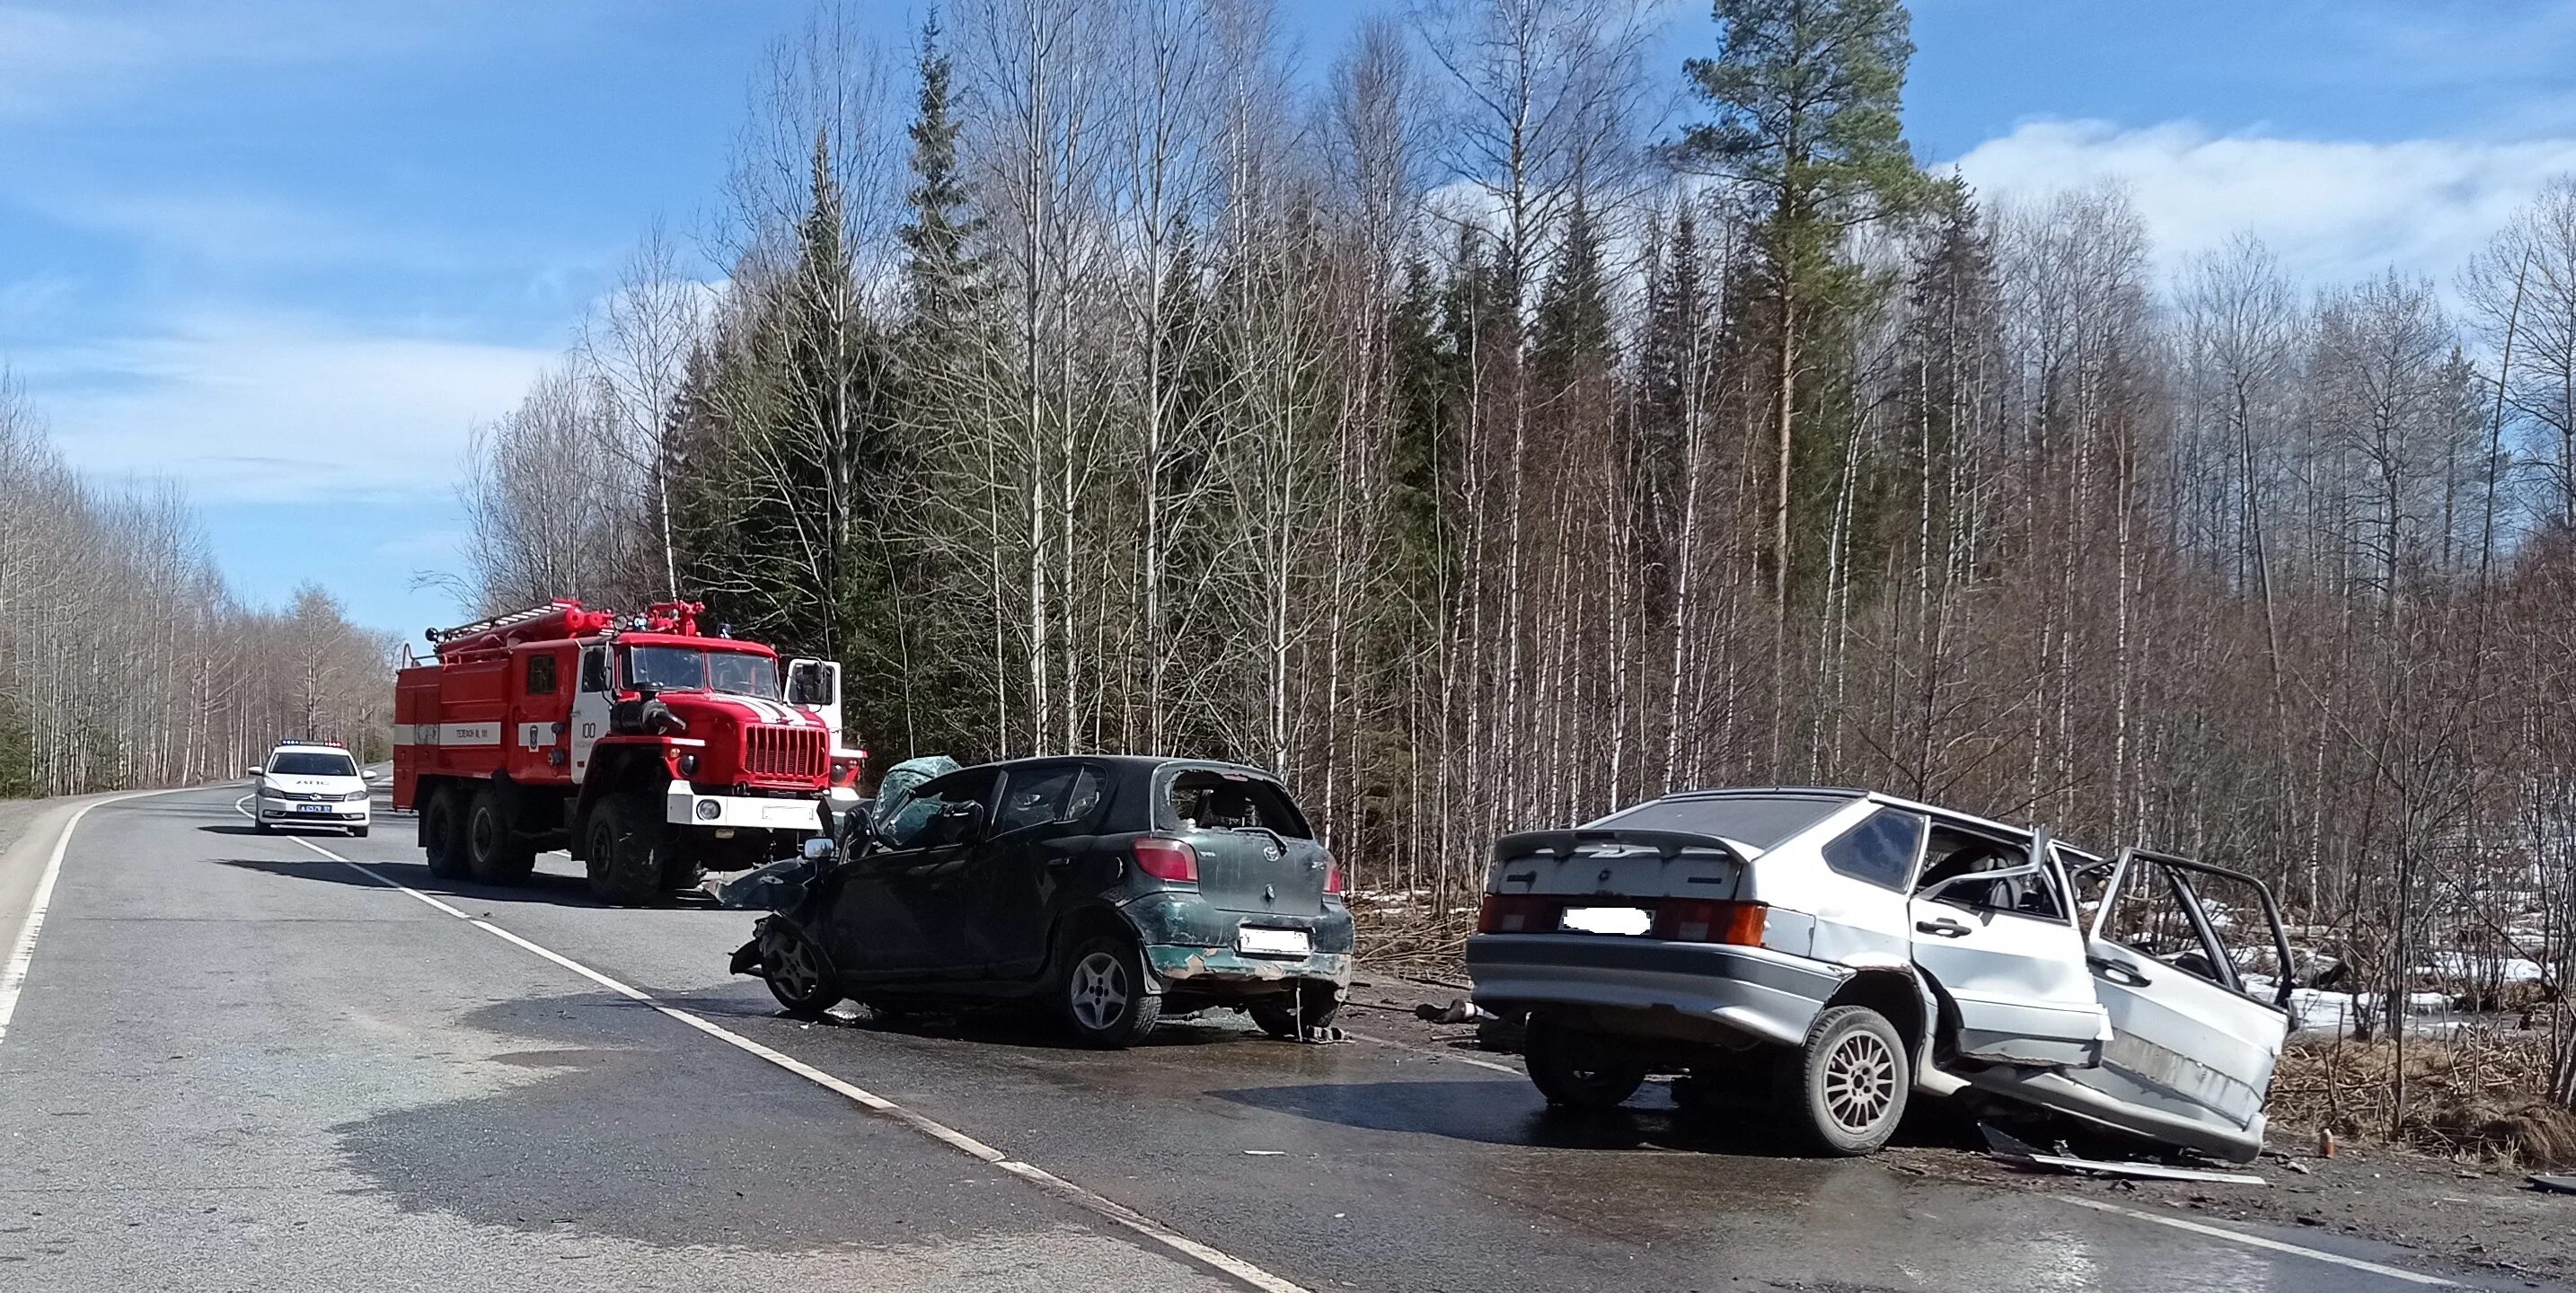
x=665 y=668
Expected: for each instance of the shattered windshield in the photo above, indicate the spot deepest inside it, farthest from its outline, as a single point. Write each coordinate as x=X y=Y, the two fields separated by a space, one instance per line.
x=898 y=815
x=667 y=668
x=1761 y=821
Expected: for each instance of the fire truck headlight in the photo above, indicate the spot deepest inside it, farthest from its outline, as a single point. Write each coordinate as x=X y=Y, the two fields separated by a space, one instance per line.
x=688 y=765
x=709 y=810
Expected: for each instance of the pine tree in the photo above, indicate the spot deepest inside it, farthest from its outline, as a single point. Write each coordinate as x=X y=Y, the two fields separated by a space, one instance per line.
x=1807 y=96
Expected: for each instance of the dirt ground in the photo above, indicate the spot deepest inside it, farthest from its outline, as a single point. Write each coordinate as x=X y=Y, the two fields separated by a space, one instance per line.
x=2475 y=1214
x=14 y=816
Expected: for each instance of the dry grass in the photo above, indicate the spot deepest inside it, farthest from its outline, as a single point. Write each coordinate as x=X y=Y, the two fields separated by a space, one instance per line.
x=2475 y=1093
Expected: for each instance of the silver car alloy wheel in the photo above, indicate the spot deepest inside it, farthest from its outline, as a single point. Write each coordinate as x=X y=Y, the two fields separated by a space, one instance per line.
x=1860 y=1081
x=1099 y=991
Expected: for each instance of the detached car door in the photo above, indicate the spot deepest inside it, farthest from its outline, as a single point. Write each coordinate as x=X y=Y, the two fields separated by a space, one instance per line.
x=1993 y=927
x=2193 y=1038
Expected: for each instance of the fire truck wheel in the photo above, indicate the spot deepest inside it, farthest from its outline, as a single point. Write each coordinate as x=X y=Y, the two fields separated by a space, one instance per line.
x=440 y=828
x=490 y=849
x=627 y=850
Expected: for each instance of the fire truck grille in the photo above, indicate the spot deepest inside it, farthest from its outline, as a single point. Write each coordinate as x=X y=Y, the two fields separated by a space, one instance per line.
x=772 y=751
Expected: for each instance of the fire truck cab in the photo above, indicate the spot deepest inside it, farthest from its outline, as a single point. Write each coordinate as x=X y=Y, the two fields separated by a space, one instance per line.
x=649 y=750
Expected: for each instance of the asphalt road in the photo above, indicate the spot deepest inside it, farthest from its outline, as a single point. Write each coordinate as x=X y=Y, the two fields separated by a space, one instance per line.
x=238 y=1063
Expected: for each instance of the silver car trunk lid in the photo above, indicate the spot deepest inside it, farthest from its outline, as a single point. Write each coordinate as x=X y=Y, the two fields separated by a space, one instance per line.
x=1612 y=862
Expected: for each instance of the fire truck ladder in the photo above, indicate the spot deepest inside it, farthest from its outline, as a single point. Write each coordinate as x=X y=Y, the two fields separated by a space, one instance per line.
x=499 y=622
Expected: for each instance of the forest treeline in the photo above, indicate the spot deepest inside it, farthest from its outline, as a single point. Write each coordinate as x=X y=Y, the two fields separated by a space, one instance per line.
x=1485 y=428
x=124 y=660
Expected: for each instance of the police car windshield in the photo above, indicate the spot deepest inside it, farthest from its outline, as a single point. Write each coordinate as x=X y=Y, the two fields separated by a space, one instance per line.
x=665 y=668
x=313 y=763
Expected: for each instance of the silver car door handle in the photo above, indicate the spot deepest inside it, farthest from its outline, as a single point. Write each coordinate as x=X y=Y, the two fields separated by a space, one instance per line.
x=2117 y=971
x=1944 y=928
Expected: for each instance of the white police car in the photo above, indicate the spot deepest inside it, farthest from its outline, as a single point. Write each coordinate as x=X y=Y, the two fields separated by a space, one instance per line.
x=309 y=783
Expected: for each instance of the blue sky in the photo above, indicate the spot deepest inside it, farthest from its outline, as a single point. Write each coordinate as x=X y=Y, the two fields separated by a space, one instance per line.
x=289 y=251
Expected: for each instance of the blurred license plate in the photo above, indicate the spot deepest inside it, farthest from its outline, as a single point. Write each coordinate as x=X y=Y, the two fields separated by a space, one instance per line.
x=1606 y=920
x=1255 y=941
x=312 y=808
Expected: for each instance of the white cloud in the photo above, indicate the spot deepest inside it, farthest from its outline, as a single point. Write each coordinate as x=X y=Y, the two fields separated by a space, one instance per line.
x=45 y=55
x=258 y=409
x=63 y=57
x=28 y=299
x=2333 y=210
x=248 y=229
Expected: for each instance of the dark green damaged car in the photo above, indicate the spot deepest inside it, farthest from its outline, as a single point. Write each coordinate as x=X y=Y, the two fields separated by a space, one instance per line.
x=1113 y=891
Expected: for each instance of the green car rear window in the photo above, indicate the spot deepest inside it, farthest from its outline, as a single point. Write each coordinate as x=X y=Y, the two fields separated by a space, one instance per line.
x=1207 y=799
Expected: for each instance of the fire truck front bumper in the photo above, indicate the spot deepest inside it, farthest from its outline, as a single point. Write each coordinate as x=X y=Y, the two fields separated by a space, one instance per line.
x=683 y=806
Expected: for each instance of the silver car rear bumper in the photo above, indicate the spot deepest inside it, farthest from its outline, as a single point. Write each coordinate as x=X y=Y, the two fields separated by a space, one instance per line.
x=1754 y=992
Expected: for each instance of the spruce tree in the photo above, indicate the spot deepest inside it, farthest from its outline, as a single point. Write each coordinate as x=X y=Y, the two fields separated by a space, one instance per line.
x=940 y=438
x=940 y=269
x=1950 y=335
x=1572 y=329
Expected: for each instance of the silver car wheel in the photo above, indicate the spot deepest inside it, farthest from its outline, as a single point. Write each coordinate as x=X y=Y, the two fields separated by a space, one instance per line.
x=1099 y=991
x=1860 y=1082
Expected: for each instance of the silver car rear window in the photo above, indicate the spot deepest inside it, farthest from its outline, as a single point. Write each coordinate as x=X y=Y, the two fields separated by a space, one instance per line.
x=1762 y=821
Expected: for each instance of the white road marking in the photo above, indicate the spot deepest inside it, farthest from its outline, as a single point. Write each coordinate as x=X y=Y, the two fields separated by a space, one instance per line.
x=2258 y=1241
x=1096 y=1204
x=22 y=954
x=1120 y=1213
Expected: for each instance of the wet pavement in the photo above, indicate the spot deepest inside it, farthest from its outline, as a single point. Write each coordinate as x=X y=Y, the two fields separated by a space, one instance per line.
x=241 y=1064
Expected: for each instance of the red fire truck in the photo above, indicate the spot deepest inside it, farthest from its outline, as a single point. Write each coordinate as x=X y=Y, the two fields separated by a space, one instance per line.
x=651 y=751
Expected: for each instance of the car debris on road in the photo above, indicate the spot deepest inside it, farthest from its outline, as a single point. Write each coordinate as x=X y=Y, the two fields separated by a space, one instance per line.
x=1842 y=950
x=1458 y=1011
x=2004 y=1147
